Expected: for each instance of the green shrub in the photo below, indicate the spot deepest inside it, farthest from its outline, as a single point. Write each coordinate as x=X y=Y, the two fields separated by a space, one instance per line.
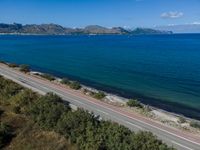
x=182 y=120
x=75 y=85
x=12 y=65
x=65 y=81
x=22 y=101
x=98 y=95
x=24 y=68
x=16 y=109
x=5 y=134
x=48 y=76
x=1 y=112
x=8 y=89
x=134 y=103
x=3 y=62
x=47 y=110
x=195 y=124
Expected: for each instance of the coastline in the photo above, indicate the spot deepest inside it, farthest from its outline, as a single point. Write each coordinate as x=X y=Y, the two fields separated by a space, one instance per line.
x=169 y=107
x=156 y=114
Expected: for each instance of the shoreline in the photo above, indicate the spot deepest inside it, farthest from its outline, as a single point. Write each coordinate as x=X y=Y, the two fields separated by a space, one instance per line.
x=170 y=107
x=159 y=115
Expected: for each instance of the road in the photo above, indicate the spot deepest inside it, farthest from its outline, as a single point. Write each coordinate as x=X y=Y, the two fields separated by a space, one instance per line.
x=173 y=137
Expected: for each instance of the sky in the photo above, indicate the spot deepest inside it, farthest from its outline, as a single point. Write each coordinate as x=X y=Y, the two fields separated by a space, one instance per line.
x=108 y=13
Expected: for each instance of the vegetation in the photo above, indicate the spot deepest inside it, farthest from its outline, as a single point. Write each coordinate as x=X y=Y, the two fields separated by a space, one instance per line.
x=98 y=95
x=5 y=134
x=24 y=68
x=134 y=103
x=65 y=81
x=72 y=84
x=47 y=76
x=12 y=65
x=182 y=120
x=195 y=124
x=80 y=127
x=3 y=62
x=75 y=85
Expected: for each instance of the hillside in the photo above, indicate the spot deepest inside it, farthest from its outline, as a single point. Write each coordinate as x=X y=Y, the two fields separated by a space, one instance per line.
x=54 y=29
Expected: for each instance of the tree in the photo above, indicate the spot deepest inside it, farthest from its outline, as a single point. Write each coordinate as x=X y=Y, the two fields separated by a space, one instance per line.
x=24 y=68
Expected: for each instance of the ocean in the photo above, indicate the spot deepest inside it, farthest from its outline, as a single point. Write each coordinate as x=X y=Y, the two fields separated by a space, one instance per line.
x=159 y=70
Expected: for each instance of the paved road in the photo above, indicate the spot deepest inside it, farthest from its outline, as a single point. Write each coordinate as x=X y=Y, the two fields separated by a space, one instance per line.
x=173 y=137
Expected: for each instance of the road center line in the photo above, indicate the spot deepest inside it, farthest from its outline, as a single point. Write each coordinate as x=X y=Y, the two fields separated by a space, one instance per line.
x=182 y=145
x=135 y=125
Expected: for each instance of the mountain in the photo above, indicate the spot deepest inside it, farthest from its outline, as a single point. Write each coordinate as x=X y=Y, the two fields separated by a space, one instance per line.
x=149 y=31
x=54 y=29
x=186 y=28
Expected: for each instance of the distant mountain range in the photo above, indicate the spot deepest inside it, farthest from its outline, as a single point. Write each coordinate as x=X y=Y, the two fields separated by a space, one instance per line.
x=185 y=28
x=54 y=29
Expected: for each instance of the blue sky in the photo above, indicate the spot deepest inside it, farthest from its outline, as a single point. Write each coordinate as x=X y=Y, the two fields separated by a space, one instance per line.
x=109 y=13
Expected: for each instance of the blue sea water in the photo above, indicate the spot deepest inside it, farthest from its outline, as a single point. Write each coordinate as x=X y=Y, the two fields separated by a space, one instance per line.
x=159 y=70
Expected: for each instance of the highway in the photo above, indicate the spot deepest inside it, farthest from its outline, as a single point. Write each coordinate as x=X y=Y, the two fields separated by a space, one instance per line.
x=173 y=137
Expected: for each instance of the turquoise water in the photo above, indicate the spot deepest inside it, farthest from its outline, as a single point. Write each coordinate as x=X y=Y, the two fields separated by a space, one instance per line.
x=160 y=70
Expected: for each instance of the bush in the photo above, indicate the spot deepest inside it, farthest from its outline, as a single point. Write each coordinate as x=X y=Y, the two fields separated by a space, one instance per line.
x=3 y=62
x=65 y=81
x=47 y=110
x=22 y=101
x=5 y=134
x=24 y=68
x=16 y=109
x=134 y=103
x=8 y=89
x=75 y=85
x=182 y=120
x=1 y=112
x=195 y=124
x=98 y=95
x=48 y=77
x=13 y=65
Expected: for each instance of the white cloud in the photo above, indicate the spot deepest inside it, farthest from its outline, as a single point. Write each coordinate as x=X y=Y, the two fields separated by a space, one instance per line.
x=196 y=23
x=172 y=14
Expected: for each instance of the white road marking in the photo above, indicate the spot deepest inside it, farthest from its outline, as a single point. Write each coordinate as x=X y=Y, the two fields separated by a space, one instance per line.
x=182 y=145
x=135 y=125
x=103 y=112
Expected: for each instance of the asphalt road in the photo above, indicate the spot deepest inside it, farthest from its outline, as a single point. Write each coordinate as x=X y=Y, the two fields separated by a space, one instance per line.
x=173 y=137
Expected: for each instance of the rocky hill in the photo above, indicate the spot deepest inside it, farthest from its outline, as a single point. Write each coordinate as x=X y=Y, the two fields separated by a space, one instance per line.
x=54 y=29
